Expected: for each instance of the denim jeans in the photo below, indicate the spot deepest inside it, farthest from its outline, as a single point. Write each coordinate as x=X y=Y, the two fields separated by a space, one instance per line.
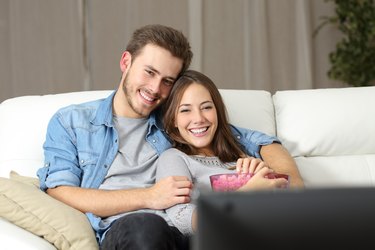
x=144 y=231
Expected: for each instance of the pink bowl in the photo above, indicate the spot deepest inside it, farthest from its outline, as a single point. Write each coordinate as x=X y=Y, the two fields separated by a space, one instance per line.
x=232 y=182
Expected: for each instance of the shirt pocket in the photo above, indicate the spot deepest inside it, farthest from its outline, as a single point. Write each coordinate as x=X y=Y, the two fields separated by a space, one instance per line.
x=87 y=161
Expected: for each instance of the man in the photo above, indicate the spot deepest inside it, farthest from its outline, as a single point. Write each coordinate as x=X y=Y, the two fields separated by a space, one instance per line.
x=100 y=156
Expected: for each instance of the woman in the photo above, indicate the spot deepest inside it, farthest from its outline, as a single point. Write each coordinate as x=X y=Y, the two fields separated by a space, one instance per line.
x=196 y=121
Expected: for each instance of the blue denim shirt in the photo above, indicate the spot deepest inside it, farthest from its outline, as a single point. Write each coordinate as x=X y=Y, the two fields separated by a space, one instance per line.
x=81 y=144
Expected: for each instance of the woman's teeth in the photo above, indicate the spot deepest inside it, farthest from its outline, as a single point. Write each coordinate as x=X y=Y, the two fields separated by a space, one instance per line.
x=198 y=130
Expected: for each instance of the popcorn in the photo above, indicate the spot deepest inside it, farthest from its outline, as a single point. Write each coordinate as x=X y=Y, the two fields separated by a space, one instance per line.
x=232 y=182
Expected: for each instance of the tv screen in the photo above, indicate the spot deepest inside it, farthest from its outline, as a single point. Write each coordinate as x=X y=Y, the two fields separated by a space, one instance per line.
x=324 y=218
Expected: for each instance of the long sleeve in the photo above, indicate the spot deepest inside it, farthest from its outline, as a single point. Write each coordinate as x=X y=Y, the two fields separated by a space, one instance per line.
x=174 y=163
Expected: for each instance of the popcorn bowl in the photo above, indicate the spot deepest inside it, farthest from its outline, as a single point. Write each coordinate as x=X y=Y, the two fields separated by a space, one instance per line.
x=233 y=181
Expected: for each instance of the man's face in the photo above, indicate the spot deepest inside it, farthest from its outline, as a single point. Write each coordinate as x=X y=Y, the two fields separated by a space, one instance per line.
x=148 y=81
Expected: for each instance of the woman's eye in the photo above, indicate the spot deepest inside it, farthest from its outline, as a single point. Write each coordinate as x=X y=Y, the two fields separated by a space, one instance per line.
x=184 y=110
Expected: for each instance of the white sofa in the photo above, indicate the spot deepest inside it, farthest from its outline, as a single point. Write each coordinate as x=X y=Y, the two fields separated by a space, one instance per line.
x=329 y=132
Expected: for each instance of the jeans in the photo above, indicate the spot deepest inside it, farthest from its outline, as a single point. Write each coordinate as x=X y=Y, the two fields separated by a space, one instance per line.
x=144 y=231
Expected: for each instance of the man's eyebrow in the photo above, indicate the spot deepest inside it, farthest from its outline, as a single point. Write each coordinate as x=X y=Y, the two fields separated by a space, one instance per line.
x=171 y=78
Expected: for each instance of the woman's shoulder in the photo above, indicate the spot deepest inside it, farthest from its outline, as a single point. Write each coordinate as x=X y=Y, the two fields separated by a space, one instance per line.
x=173 y=152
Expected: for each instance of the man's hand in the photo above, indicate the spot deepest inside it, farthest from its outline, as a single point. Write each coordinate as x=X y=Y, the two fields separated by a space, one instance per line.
x=169 y=191
x=279 y=159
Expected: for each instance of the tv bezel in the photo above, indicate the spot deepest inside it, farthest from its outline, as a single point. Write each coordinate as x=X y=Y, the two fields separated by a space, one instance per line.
x=318 y=218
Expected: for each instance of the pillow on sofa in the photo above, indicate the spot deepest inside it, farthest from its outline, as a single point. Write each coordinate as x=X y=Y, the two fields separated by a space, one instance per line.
x=25 y=205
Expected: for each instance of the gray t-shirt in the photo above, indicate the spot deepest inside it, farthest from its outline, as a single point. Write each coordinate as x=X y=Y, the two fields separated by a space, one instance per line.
x=135 y=163
x=197 y=169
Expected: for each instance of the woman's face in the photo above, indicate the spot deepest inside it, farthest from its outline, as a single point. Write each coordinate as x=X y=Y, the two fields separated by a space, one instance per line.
x=196 y=118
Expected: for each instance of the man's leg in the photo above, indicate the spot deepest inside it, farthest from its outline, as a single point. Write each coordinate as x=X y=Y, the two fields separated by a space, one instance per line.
x=143 y=231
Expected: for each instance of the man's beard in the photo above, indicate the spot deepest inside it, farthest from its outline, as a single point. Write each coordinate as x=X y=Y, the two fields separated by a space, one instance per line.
x=127 y=92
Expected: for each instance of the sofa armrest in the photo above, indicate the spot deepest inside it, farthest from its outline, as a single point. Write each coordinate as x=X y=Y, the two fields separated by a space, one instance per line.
x=14 y=237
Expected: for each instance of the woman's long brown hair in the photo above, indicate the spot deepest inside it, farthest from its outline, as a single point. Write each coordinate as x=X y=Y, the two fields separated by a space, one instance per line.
x=224 y=144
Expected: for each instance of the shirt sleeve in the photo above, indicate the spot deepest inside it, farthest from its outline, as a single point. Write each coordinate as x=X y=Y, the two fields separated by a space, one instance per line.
x=174 y=163
x=252 y=140
x=61 y=165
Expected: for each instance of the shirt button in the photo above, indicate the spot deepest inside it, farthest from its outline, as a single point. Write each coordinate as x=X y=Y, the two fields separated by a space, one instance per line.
x=116 y=141
x=82 y=161
x=153 y=141
x=238 y=137
x=106 y=166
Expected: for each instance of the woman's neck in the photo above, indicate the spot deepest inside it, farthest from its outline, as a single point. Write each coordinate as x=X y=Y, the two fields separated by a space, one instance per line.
x=205 y=152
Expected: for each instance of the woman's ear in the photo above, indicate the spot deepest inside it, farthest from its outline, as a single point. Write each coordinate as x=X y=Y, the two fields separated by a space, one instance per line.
x=125 y=61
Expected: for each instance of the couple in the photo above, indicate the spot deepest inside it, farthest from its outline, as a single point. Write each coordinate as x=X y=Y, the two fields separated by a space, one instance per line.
x=101 y=157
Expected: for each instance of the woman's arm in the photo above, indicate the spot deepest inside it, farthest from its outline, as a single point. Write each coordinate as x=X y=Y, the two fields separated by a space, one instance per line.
x=175 y=163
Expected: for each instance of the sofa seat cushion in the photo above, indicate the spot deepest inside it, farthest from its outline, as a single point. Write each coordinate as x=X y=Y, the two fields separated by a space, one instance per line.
x=337 y=171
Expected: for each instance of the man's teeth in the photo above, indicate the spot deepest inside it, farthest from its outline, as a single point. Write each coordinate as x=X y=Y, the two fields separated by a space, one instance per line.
x=198 y=130
x=146 y=97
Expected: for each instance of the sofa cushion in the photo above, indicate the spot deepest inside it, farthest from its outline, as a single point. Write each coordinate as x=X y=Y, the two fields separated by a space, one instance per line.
x=23 y=128
x=25 y=205
x=251 y=109
x=326 y=122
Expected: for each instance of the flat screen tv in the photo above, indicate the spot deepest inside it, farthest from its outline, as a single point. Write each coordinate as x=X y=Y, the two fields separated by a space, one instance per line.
x=324 y=218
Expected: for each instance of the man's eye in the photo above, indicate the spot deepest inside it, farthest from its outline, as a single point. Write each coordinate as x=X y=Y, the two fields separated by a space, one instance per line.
x=168 y=82
x=149 y=72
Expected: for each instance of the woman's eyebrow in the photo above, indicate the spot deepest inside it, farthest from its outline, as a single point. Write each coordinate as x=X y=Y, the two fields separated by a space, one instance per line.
x=184 y=104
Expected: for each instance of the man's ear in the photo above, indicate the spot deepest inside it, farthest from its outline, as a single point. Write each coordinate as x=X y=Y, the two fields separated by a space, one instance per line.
x=126 y=60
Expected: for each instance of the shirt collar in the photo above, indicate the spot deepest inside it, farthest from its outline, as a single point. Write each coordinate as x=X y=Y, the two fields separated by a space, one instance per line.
x=104 y=114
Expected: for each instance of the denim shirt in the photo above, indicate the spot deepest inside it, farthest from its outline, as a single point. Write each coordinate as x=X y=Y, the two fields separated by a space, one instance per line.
x=81 y=144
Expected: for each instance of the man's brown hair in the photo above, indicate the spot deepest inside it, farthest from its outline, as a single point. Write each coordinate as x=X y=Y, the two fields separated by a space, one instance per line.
x=166 y=37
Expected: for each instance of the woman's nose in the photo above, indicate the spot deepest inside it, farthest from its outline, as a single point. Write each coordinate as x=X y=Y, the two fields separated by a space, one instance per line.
x=198 y=117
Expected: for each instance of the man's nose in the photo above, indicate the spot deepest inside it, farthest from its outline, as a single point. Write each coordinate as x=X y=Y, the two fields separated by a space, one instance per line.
x=154 y=85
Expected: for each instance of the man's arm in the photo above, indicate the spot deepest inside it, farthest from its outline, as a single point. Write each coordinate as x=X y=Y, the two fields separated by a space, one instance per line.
x=165 y=193
x=279 y=159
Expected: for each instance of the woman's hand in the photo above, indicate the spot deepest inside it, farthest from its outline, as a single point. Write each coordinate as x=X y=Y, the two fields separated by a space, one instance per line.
x=249 y=165
x=260 y=181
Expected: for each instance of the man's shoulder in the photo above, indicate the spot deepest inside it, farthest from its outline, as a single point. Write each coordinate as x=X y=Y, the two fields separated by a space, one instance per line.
x=81 y=109
x=79 y=115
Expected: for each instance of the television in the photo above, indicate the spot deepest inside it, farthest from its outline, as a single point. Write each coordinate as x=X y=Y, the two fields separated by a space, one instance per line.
x=315 y=218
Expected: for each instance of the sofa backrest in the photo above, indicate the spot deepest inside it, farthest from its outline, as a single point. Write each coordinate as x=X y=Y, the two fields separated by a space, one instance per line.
x=23 y=122
x=329 y=132
x=23 y=128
